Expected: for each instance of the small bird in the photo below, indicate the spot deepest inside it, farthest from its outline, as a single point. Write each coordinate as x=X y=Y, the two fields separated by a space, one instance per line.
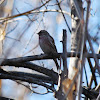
x=47 y=44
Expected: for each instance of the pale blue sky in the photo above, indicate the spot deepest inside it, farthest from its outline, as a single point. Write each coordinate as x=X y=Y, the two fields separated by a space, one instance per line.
x=54 y=28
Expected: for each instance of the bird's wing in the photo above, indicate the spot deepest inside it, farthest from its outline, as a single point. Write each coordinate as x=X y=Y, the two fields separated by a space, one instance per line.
x=52 y=43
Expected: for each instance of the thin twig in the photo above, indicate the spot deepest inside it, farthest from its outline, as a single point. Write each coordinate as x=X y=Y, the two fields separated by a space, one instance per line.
x=93 y=77
x=93 y=73
x=95 y=57
x=82 y=58
x=64 y=16
x=22 y=14
x=86 y=76
x=31 y=89
x=39 y=11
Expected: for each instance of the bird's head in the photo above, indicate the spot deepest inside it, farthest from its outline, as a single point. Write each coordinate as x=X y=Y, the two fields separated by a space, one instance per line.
x=43 y=32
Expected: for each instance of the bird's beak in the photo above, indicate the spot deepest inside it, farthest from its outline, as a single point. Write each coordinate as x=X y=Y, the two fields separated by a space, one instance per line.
x=38 y=33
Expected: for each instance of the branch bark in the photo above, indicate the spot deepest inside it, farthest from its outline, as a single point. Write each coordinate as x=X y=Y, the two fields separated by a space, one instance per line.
x=45 y=56
x=32 y=66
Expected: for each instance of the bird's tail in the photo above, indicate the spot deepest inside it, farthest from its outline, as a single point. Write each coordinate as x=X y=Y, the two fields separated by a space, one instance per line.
x=57 y=65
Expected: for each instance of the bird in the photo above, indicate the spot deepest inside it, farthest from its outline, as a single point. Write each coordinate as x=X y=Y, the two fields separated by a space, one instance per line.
x=47 y=44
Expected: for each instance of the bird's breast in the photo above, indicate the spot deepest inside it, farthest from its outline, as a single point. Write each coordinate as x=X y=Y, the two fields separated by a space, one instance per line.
x=44 y=44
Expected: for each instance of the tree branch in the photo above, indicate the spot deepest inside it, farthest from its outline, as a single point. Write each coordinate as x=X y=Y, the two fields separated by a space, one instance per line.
x=30 y=79
x=43 y=78
x=22 y=14
x=65 y=54
x=45 y=56
x=6 y=75
x=32 y=66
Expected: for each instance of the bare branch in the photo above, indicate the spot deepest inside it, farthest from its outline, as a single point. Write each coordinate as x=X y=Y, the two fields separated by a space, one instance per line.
x=82 y=58
x=65 y=54
x=45 y=56
x=32 y=66
x=6 y=75
x=43 y=78
x=22 y=14
x=95 y=57
x=64 y=16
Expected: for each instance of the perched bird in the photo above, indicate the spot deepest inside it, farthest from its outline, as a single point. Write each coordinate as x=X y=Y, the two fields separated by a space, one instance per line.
x=47 y=44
